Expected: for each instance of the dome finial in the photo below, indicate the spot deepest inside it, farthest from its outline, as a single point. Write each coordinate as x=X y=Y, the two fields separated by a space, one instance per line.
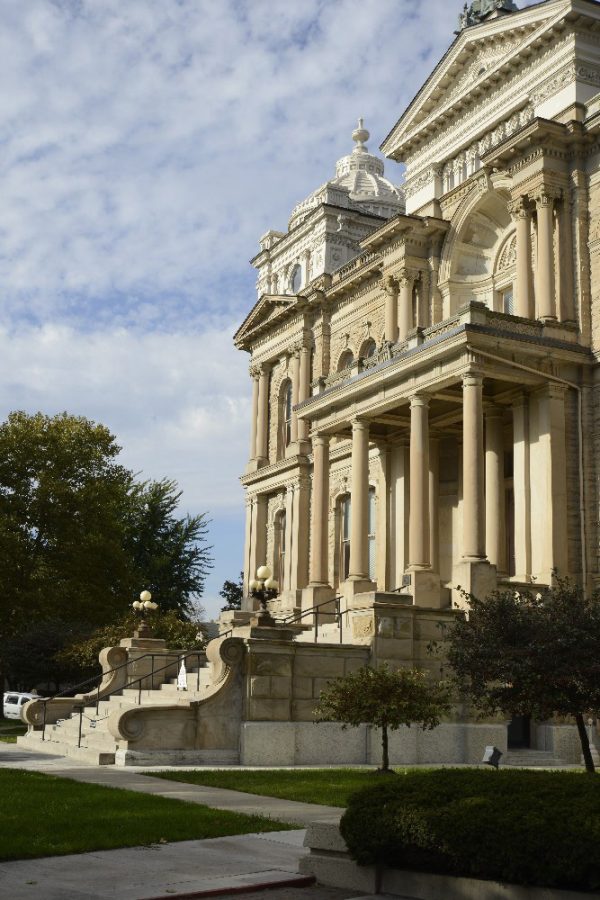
x=360 y=135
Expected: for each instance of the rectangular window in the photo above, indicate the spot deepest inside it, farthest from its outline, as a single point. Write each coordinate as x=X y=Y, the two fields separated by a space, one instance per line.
x=371 y=526
x=508 y=301
x=346 y=512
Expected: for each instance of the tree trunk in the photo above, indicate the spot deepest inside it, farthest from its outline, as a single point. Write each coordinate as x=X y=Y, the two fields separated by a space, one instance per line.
x=585 y=744
x=385 y=758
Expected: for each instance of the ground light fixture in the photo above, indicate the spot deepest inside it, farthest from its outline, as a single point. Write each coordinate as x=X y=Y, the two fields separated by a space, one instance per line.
x=263 y=588
x=492 y=756
x=143 y=606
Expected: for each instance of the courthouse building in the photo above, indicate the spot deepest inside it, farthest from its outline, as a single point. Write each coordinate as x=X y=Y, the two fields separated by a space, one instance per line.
x=424 y=357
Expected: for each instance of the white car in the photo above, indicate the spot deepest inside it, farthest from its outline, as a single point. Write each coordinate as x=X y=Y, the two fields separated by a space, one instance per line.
x=14 y=703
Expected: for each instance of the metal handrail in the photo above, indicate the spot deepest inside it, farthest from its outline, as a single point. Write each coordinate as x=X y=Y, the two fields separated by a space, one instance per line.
x=180 y=658
x=297 y=617
x=101 y=675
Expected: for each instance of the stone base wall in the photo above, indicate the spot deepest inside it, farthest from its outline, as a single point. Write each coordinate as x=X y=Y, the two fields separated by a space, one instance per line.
x=309 y=744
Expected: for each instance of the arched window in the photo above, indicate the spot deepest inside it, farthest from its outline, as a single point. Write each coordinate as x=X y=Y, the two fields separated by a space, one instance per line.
x=296 y=279
x=279 y=561
x=285 y=418
x=368 y=348
x=345 y=361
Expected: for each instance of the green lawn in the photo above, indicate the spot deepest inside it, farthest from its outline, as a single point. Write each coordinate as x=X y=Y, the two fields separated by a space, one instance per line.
x=79 y=817
x=331 y=787
x=10 y=729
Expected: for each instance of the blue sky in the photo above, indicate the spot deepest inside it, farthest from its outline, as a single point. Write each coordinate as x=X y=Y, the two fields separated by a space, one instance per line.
x=144 y=148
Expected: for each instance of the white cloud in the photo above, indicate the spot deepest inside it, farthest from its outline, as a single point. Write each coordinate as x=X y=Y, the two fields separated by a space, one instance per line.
x=144 y=147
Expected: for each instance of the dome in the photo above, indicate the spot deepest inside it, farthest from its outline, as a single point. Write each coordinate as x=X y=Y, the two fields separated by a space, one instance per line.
x=360 y=174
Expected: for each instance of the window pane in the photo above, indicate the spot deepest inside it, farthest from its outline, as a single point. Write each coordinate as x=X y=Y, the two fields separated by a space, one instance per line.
x=372 y=558
x=371 y=511
x=346 y=510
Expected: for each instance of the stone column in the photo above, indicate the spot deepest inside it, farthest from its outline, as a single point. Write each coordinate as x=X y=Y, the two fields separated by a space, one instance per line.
x=304 y=390
x=473 y=469
x=522 y=216
x=434 y=494
x=359 y=534
x=495 y=501
x=554 y=502
x=319 y=564
x=390 y=287
x=295 y=395
x=545 y=281
x=435 y=295
x=406 y=282
x=522 y=488
x=255 y=374
x=262 y=436
x=257 y=555
x=565 y=261
x=418 y=539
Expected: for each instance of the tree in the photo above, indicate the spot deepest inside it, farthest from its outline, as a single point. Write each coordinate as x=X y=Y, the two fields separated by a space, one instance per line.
x=178 y=633
x=531 y=654
x=233 y=593
x=79 y=536
x=385 y=698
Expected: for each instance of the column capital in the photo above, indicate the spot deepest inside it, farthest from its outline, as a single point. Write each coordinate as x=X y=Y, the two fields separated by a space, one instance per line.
x=320 y=438
x=520 y=208
x=494 y=412
x=472 y=379
x=389 y=284
x=407 y=276
x=546 y=195
x=360 y=424
x=254 y=371
x=265 y=368
x=421 y=400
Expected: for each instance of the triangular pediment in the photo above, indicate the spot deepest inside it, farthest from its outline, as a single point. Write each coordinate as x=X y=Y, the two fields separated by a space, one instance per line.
x=478 y=55
x=265 y=310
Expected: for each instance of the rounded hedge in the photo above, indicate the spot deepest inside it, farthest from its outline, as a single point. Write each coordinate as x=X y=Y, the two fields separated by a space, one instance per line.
x=519 y=826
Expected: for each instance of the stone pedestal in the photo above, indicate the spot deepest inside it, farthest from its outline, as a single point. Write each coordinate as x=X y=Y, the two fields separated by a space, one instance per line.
x=353 y=586
x=477 y=577
x=425 y=588
x=315 y=594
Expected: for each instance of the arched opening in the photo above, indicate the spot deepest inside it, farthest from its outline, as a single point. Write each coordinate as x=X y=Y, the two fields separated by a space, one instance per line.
x=368 y=348
x=296 y=279
x=345 y=360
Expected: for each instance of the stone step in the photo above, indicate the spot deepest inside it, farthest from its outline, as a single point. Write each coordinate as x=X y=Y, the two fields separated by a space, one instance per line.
x=524 y=758
x=89 y=755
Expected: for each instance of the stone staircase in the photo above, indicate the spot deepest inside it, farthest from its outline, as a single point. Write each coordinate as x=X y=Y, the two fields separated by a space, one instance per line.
x=526 y=758
x=86 y=736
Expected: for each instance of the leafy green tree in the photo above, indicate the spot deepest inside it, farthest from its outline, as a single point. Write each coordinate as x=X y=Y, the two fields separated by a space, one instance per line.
x=384 y=698
x=233 y=593
x=80 y=537
x=180 y=634
x=531 y=654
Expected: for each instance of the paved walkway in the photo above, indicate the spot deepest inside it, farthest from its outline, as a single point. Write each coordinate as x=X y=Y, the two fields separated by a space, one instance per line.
x=184 y=868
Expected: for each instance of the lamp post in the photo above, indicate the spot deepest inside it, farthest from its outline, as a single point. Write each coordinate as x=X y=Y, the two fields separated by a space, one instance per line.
x=263 y=589
x=143 y=606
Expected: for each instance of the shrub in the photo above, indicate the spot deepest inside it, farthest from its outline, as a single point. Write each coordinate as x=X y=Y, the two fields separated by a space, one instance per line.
x=530 y=828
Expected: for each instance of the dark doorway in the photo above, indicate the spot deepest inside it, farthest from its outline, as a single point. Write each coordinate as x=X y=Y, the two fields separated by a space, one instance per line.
x=519 y=733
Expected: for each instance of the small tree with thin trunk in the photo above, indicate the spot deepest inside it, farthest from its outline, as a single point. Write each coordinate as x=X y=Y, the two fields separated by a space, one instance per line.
x=386 y=698
x=531 y=654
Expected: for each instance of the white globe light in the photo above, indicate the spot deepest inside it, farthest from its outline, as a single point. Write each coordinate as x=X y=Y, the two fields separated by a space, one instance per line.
x=147 y=604
x=252 y=585
x=271 y=584
x=136 y=604
x=263 y=573
x=145 y=595
x=153 y=605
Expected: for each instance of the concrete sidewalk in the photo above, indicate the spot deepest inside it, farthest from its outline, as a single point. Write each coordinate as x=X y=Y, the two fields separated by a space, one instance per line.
x=292 y=811
x=184 y=868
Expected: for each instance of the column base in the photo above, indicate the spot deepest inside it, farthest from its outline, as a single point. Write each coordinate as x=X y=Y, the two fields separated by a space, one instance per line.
x=315 y=594
x=425 y=587
x=353 y=586
x=255 y=464
x=475 y=576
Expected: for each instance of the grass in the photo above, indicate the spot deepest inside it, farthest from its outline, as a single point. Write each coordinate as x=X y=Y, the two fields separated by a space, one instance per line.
x=331 y=787
x=10 y=729
x=81 y=817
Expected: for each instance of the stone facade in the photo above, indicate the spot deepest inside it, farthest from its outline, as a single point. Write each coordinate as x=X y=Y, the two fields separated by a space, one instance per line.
x=425 y=409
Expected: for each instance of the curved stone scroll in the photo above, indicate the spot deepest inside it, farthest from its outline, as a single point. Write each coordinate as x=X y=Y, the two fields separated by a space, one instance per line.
x=62 y=707
x=212 y=722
